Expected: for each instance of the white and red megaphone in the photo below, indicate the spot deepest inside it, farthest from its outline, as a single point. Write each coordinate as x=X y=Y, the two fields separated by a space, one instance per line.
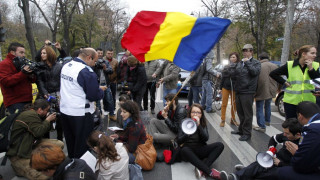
x=265 y=159
x=189 y=126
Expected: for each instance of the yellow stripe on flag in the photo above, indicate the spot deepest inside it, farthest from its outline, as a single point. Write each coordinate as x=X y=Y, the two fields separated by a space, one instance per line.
x=175 y=27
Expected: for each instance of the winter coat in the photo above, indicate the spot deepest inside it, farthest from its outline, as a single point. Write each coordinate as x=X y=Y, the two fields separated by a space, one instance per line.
x=114 y=65
x=266 y=87
x=246 y=74
x=174 y=118
x=151 y=67
x=227 y=81
x=136 y=78
x=106 y=72
x=170 y=74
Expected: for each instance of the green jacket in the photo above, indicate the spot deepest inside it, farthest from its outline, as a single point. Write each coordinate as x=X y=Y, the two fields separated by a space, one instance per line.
x=37 y=128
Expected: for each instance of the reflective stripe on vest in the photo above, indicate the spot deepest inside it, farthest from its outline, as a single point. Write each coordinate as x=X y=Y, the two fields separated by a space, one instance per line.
x=301 y=88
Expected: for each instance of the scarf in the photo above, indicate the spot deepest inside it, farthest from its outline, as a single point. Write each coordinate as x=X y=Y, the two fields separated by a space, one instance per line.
x=126 y=122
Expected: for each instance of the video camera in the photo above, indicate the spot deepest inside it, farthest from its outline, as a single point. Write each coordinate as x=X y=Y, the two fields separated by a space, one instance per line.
x=99 y=64
x=21 y=62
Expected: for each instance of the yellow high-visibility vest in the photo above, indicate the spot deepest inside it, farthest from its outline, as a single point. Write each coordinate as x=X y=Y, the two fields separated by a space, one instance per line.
x=301 y=88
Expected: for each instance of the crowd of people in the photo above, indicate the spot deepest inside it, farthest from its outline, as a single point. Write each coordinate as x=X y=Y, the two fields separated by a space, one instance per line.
x=78 y=86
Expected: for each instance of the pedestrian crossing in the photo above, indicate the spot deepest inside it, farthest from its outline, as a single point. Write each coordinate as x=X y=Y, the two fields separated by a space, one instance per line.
x=235 y=151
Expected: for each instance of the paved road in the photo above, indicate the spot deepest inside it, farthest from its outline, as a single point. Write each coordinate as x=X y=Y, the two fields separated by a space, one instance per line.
x=235 y=152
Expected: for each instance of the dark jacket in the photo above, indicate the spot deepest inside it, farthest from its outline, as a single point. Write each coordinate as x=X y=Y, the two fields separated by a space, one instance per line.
x=227 y=81
x=133 y=135
x=199 y=138
x=15 y=85
x=174 y=118
x=63 y=54
x=169 y=72
x=70 y=169
x=136 y=78
x=246 y=75
x=122 y=68
x=196 y=79
x=307 y=157
x=283 y=154
x=37 y=128
x=106 y=72
x=48 y=79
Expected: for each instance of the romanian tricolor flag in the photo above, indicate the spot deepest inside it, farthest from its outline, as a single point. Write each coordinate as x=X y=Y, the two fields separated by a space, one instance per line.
x=174 y=36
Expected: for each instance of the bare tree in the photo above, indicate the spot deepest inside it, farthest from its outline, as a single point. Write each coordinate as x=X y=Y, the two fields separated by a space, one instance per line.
x=53 y=20
x=24 y=5
x=67 y=8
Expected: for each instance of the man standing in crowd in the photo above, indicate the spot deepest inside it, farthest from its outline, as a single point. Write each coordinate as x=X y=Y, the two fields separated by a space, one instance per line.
x=207 y=91
x=266 y=90
x=29 y=128
x=150 y=67
x=79 y=90
x=166 y=126
x=305 y=163
x=246 y=73
x=169 y=74
x=112 y=79
x=195 y=87
x=123 y=66
x=102 y=68
x=15 y=82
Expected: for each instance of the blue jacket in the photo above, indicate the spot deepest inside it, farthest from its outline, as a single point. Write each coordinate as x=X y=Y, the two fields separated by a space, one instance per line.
x=307 y=157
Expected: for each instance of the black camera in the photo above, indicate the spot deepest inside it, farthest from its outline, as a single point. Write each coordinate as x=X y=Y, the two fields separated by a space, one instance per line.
x=21 y=62
x=99 y=64
x=54 y=104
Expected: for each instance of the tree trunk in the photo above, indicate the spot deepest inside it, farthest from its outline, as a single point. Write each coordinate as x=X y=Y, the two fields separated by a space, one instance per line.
x=287 y=32
x=218 y=53
x=28 y=26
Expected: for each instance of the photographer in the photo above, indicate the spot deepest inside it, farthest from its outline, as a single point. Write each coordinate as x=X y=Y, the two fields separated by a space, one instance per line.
x=103 y=69
x=57 y=45
x=48 y=81
x=15 y=82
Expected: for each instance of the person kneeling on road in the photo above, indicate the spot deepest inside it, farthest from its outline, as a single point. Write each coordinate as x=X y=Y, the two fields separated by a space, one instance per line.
x=291 y=134
x=27 y=130
x=166 y=126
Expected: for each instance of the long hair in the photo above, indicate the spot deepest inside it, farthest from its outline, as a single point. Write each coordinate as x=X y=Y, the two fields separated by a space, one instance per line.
x=46 y=156
x=105 y=147
x=132 y=108
x=203 y=120
x=51 y=55
x=236 y=54
x=302 y=49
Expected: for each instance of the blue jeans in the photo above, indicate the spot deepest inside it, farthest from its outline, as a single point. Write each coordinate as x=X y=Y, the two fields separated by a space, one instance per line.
x=167 y=91
x=207 y=95
x=193 y=95
x=262 y=118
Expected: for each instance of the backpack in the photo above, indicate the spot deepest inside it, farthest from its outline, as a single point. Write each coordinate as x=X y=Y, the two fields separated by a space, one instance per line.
x=6 y=125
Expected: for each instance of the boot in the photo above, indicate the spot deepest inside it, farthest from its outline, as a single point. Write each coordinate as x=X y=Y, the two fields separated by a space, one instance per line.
x=234 y=122
x=222 y=123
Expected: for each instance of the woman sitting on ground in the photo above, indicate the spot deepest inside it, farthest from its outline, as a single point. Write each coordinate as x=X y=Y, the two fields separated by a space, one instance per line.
x=194 y=148
x=49 y=159
x=113 y=158
x=134 y=132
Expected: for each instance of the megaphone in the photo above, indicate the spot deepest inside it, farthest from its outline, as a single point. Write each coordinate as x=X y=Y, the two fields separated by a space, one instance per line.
x=265 y=159
x=189 y=126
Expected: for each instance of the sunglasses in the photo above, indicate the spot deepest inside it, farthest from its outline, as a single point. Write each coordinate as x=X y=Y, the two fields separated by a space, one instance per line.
x=246 y=50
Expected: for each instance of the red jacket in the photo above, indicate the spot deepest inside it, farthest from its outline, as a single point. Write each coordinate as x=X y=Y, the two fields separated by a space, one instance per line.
x=15 y=85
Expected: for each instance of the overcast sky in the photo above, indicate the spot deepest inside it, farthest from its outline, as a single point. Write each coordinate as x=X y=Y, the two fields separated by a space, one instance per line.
x=185 y=6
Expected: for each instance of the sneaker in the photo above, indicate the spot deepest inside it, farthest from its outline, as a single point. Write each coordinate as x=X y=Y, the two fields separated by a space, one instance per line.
x=113 y=117
x=152 y=111
x=232 y=176
x=244 y=138
x=224 y=175
x=260 y=129
x=222 y=123
x=198 y=172
x=238 y=167
x=215 y=174
x=267 y=124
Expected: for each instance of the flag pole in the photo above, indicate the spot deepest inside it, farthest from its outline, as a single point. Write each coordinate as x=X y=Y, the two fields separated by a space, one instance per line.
x=182 y=86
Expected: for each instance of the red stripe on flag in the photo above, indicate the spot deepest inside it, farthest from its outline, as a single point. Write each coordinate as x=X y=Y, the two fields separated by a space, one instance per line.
x=141 y=32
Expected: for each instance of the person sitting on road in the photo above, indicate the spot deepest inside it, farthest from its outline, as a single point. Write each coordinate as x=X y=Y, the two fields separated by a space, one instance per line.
x=291 y=133
x=134 y=132
x=194 y=147
x=113 y=158
x=305 y=163
x=122 y=99
x=28 y=129
x=166 y=126
x=50 y=160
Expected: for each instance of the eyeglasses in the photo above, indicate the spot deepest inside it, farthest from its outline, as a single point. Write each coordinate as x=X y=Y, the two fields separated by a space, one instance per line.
x=196 y=113
x=246 y=50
